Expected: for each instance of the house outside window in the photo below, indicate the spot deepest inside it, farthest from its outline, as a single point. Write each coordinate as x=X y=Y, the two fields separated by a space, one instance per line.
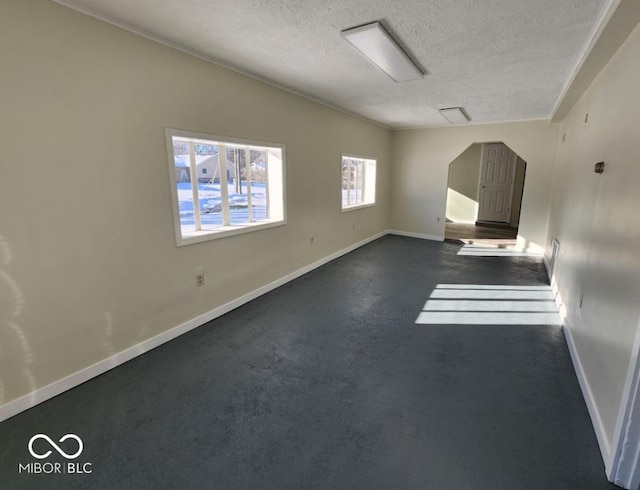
x=358 y=182
x=239 y=188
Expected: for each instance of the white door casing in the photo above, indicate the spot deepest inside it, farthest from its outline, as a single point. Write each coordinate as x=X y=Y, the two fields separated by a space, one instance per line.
x=623 y=467
x=497 y=175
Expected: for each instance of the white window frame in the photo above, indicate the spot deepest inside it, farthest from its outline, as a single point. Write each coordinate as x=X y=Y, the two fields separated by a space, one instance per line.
x=352 y=207
x=276 y=188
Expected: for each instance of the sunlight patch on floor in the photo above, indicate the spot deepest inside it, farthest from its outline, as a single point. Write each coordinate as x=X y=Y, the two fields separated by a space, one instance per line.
x=484 y=304
x=496 y=251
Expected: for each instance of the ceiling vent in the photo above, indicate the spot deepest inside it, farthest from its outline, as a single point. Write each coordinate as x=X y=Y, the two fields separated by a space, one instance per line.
x=455 y=115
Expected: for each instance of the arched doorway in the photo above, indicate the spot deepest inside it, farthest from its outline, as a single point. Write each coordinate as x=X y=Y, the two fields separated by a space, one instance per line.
x=484 y=195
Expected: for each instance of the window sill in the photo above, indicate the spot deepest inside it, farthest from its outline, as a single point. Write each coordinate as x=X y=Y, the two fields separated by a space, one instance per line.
x=188 y=238
x=359 y=206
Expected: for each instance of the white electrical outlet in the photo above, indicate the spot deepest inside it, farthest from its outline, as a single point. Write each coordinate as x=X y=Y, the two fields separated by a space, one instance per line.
x=200 y=279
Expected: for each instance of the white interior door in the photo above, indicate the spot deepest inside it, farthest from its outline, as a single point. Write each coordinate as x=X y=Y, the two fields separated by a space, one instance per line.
x=497 y=174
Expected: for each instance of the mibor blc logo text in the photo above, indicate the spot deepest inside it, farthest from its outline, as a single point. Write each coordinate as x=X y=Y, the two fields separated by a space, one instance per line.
x=68 y=450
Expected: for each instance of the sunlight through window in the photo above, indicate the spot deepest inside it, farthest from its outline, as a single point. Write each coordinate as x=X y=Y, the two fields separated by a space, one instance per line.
x=495 y=251
x=223 y=187
x=358 y=182
x=483 y=304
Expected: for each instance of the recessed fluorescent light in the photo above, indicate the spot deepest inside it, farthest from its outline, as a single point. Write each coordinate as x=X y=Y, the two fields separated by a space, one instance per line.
x=454 y=115
x=375 y=44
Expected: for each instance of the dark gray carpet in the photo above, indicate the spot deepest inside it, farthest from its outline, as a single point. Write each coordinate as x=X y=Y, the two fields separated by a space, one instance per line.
x=328 y=383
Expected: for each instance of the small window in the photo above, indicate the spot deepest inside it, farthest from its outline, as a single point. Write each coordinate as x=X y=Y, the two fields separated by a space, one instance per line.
x=223 y=186
x=358 y=182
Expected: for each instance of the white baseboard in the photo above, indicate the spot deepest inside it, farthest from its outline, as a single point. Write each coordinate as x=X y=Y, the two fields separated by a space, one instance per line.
x=416 y=235
x=624 y=466
x=594 y=413
x=40 y=395
x=596 y=420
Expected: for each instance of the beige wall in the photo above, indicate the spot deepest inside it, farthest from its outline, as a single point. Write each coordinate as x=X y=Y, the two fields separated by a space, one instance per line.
x=421 y=160
x=88 y=260
x=596 y=218
x=462 y=192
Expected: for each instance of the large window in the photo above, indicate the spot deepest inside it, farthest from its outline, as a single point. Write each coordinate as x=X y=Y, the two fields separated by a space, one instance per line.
x=358 y=182
x=223 y=186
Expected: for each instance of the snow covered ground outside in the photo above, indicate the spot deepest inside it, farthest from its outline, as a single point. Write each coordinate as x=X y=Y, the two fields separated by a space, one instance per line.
x=352 y=194
x=209 y=196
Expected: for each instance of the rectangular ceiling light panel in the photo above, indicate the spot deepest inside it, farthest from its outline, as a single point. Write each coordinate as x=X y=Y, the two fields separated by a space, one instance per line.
x=375 y=44
x=454 y=115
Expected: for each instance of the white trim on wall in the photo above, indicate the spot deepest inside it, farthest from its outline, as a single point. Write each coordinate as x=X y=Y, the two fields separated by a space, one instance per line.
x=40 y=395
x=43 y=394
x=594 y=413
x=623 y=468
x=587 y=393
x=622 y=456
x=96 y=14
x=608 y=9
x=416 y=235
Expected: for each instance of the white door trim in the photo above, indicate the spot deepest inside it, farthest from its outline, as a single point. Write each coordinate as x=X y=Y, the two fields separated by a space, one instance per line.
x=623 y=467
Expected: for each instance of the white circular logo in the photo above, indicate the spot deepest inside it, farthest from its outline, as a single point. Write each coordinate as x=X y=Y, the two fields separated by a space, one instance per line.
x=55 y=446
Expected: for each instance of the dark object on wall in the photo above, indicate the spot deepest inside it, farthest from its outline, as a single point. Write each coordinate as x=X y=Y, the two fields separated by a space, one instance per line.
x=598 y=167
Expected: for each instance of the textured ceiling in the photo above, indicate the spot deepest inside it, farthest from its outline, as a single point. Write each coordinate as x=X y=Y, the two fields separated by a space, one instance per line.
x=502 y=60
